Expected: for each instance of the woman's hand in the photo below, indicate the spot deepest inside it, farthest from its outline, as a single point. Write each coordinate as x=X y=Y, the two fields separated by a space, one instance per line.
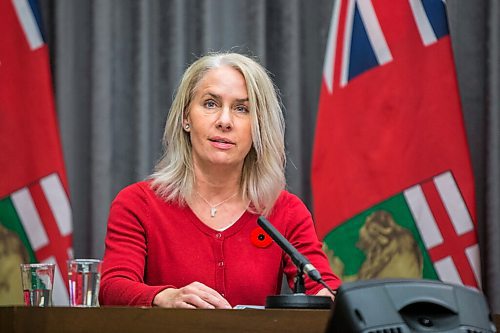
x=195 y=295
x=325 y=292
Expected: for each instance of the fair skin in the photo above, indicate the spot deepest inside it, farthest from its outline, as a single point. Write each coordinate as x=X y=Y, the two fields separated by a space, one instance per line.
x=220 y=132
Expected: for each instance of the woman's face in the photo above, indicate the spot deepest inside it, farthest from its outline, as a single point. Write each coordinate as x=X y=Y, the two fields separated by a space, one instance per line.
x=219 y=119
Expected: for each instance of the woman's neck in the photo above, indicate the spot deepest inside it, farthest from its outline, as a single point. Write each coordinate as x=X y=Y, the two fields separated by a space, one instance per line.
x=216 y=183
x=216 y=198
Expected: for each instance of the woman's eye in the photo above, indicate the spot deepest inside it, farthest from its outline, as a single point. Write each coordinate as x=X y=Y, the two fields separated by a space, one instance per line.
x=242 y=108
x=210 y=104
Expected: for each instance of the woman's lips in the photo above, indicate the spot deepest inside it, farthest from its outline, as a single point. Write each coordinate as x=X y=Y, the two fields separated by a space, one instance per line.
x=221 y=143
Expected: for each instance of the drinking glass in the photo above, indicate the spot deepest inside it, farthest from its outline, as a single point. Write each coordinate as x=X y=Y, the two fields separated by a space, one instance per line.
x=37 y=280
x=84 y=277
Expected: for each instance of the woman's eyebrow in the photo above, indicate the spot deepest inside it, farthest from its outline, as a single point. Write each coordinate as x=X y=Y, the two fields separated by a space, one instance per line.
x=218 y=97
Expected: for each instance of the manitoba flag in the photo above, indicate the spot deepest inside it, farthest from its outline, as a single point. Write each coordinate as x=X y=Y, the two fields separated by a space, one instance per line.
x=391 y=175
x=35 y=214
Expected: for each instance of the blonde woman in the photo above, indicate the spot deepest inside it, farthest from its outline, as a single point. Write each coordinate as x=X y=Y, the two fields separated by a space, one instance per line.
x=188 y=236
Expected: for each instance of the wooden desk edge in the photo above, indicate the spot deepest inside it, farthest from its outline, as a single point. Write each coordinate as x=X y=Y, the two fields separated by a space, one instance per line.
x=119 y=319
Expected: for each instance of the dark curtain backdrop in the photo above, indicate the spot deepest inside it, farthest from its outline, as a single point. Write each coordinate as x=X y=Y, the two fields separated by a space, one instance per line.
x=116 y=64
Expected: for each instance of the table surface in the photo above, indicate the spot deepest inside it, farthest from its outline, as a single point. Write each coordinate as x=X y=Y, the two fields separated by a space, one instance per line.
x=129 y=319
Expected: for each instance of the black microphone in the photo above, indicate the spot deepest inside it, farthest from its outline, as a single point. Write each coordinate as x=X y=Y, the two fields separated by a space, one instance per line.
x=298 y=259
x=298 y=299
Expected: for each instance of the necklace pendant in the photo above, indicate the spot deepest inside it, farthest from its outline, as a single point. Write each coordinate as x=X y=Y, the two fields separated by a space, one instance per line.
x=213 y=211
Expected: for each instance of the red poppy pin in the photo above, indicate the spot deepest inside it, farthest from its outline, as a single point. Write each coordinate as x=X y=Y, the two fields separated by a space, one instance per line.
x=259 y=238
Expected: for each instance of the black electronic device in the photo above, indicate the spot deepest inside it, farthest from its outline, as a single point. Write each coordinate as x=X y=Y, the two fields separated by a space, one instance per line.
x=401 y=306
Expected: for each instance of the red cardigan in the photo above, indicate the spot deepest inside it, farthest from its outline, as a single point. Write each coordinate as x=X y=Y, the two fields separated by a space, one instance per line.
x=152 y=245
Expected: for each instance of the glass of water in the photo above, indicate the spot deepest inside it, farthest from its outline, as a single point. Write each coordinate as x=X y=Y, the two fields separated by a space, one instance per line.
x=84 y=277
x=37 y=280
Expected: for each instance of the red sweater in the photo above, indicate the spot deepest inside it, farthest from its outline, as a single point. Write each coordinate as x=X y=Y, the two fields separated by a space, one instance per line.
x=152 y=245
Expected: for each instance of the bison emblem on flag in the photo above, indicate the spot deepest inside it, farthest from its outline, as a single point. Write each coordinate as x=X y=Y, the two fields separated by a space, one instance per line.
x=423 y=232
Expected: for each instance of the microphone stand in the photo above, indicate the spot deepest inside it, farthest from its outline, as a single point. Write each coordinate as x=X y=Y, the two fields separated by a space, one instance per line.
x=298 y=299
x=299 y=286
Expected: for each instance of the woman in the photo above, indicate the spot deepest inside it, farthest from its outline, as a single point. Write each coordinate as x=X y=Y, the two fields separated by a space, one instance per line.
x=188 y=236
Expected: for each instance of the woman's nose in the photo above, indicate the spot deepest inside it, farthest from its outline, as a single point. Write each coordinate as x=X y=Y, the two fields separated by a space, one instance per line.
x=225 y=121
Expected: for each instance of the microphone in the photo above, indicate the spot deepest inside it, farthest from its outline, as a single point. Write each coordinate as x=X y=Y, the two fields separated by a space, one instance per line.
x=298 y=259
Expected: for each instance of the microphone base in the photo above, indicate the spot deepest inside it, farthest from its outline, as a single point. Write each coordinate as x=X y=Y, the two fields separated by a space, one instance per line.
x=298 y=301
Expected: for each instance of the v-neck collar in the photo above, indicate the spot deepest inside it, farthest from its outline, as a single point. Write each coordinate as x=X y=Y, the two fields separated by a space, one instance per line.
x=231 y=230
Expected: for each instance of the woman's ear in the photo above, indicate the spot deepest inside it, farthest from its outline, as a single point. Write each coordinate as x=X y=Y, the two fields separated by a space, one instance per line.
x=187 y=127
x=185 y=124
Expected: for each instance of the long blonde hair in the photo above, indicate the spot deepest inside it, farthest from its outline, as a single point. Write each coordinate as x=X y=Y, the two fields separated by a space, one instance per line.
x=263 y=174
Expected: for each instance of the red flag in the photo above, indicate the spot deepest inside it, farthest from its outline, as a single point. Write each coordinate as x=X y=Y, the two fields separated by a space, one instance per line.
x=34 y=205
x=389 y=115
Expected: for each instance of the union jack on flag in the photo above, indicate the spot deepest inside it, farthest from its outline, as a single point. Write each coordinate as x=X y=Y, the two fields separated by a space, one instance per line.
x=364 y=43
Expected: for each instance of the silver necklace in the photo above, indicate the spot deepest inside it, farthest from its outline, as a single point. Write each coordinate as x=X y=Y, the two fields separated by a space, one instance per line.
x=213 y=208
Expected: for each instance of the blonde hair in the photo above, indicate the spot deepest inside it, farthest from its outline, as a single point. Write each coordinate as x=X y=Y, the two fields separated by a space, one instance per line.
x=263 y=174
